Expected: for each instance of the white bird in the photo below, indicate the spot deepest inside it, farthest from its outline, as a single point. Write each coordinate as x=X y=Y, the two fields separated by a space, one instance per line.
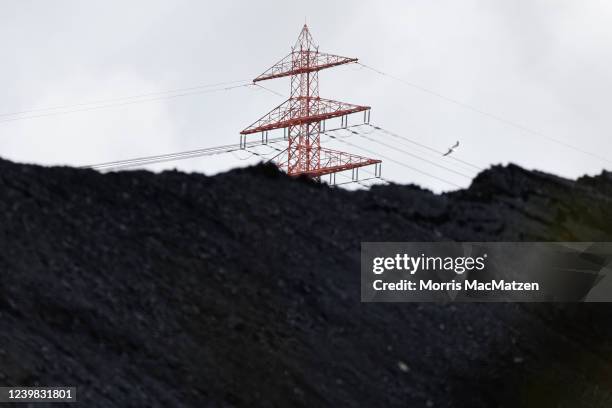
x=452 y=148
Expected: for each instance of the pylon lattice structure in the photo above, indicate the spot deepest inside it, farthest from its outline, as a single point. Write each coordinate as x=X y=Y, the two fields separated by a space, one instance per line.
x=304 y=114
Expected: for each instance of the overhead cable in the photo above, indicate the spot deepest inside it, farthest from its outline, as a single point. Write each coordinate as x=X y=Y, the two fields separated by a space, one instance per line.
x=398 y=162
x=488 y=114
x=439 y=152
x=128 y=102
x=121 y=98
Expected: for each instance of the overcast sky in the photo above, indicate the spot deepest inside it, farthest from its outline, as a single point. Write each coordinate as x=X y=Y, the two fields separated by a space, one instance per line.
x=541 y=64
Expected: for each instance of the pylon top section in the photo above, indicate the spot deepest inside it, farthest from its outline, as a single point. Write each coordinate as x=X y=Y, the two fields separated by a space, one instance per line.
x=305 y=40
x=309 y=60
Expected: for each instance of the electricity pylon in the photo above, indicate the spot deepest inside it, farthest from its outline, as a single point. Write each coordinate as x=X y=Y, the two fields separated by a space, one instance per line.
x=304 y=112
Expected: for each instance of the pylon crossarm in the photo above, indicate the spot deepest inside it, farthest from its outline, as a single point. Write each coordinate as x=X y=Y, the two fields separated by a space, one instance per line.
x=332 y=161
x=288 y=114
x=334 y=158
x=334 y=169
x=291 y=64
x=276 y=115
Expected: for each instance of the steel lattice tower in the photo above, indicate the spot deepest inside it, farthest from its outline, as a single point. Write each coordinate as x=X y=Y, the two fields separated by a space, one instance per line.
x=304 y=113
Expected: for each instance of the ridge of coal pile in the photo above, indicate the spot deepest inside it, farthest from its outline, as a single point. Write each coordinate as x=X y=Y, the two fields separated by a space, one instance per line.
x=242 y=289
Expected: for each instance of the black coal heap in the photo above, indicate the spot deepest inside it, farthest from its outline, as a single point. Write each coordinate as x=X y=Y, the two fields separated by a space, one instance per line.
x=243 y=289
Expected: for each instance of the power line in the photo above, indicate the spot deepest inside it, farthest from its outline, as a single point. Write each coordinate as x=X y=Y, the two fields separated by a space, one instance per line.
x=189 y=154
x=171 y=156
x=262 y=155
x=216 y=150
x=112 y=105
x=162 y=158
x=413 y=155
x=119 y=166
x=398 y=162
x=362 y=134
x=270 y=90
x=390 y=133
x=488 y=114
x=374 y=176
x=233 y=153
x=360 y=182
x=279 y=153
x=121 y=98
x=417 y=157
x=324 y=133
x=210 y=151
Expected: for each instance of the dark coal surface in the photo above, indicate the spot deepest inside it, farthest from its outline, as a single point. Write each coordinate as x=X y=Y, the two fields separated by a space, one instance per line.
x=242 y=290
